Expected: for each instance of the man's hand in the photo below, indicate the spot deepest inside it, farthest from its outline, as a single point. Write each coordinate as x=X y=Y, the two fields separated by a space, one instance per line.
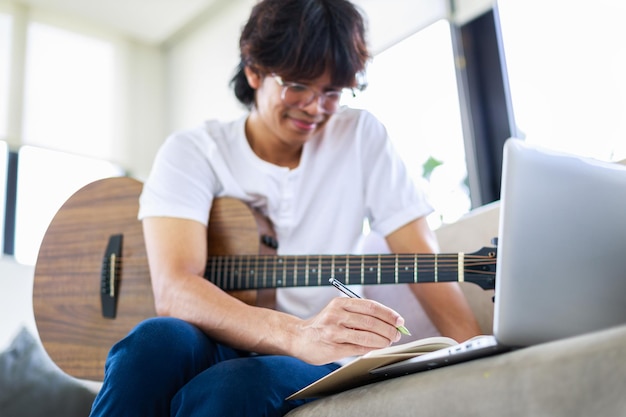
x=346 y=327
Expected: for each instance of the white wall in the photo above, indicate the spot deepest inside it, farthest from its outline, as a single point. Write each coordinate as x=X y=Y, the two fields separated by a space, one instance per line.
x=143 y=107
x=199 y=66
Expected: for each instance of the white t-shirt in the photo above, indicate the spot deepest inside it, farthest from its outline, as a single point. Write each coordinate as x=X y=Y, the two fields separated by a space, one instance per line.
x=347 y=172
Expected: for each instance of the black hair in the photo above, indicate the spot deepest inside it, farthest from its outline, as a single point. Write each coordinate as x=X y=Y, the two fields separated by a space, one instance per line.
x=300 y=40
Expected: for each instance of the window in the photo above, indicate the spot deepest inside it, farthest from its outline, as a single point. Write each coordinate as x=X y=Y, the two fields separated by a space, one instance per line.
x=5 y=65
x=69 y=114
x=412 y=89
x=566 y=62
x=46 y=179
x=4 y=165
x=69 y=97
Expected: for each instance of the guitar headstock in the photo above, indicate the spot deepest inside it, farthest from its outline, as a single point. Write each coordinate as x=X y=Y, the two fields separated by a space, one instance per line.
x=480 y=267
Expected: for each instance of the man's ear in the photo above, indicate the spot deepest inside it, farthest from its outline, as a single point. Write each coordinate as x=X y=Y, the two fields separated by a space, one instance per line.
x=253 y=77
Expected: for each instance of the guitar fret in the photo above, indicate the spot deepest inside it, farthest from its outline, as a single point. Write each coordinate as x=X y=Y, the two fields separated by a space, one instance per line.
x=225 y=273
x=387 y=269
x=460 y=265
x=341 y=272
x=283 y=263
x=241 y=273
x=278 y=282
x=251 y=271
x=362 y=269
x=220 y=273
x=436 y=269
x=255 y=272
x=286 y=271
x=378 y=271
x=395 y=270
x=319 y=270
x=295 y=269
x=231 y=272
x=211 y=275
x=415 y=269
x=347 y=269
x=371 y=274
x=238 y=261
x=265 y=272
x=274 y=260
x=211 y=270
x=237 y=265
x=405 y=269
x=218 y=277
x=306 y=272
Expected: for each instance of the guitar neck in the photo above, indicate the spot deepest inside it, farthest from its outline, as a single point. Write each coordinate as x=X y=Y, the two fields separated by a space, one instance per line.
x=232 y=273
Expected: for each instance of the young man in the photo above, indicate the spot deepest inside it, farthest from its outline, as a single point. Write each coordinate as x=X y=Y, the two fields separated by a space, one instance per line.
x=316 y=170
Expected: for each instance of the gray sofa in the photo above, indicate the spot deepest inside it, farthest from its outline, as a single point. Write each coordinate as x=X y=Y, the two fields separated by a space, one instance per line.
x=579 y=376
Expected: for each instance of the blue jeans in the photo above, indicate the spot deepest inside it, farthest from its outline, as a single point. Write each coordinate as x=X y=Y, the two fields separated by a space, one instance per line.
x=168 y=367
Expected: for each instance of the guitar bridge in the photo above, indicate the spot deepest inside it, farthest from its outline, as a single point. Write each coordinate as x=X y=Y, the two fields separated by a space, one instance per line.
x=109 y=276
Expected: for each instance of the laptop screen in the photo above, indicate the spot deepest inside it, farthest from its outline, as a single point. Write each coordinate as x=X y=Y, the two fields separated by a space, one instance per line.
x=561 y=268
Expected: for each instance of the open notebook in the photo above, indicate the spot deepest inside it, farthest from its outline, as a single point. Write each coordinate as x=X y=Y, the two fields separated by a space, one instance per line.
x=561 y=266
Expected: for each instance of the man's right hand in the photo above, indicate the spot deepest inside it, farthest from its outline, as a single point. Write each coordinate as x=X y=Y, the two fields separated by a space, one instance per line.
x=346 y=327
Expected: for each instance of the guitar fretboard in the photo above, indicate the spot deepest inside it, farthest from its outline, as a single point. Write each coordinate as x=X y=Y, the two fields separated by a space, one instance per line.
x=257 y=271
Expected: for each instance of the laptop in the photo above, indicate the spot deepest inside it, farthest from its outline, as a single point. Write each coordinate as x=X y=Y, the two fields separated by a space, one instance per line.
x=561 y=266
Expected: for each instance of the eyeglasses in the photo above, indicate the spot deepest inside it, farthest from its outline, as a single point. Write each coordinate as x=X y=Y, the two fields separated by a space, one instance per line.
x=300 y=95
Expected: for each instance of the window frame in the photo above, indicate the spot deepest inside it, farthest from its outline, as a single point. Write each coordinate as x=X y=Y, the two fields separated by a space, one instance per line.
x=486 y=106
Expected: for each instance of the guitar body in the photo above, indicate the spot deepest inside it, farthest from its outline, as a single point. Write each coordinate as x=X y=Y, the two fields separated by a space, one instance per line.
x=66 y=293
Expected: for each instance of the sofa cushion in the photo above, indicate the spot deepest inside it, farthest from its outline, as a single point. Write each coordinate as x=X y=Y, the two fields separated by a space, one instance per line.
x=32 y=385
x=578 y=376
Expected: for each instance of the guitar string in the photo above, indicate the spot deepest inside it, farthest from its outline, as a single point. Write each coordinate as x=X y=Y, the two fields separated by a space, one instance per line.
x=276 y=271
x=233 y=280
x=281 y=273
x=258 y=262
x=368 y=268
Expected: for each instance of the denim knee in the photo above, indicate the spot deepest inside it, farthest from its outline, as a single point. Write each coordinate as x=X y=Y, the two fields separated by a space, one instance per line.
x=163 y=348
x=146 y=368
x=253 y=386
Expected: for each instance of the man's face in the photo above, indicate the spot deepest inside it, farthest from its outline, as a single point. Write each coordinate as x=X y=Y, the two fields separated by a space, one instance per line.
x=294 y=110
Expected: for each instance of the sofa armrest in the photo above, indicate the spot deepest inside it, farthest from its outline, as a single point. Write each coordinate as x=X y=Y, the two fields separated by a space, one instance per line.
x=470 y=233
x=578 y=376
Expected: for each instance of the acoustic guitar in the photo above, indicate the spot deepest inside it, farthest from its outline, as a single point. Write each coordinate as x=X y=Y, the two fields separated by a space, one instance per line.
x=92 y=282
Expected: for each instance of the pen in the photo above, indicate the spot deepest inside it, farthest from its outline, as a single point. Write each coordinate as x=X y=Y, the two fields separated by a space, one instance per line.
x=347 y=291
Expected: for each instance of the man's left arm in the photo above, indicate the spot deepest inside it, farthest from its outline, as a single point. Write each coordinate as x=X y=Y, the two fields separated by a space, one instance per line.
x=444 y=303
